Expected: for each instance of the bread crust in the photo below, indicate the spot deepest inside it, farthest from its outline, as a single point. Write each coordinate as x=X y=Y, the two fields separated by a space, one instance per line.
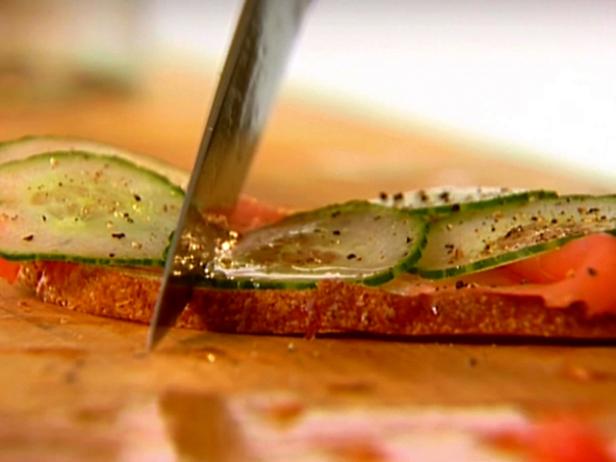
x=333 y=307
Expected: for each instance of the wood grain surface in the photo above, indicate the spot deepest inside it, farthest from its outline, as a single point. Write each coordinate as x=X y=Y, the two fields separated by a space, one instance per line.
x=76 y=387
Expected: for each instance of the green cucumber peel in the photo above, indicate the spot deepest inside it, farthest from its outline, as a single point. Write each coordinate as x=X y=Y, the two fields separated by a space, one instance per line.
x=333 y=242
x=69 y=234
x=30 y=145
x=487 y=237
x=87 y=208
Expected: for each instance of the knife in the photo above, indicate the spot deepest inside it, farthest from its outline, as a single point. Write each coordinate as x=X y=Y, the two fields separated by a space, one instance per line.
x=253 y=69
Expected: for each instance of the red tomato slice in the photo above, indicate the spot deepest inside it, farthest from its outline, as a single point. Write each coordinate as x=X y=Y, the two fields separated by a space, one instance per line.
x=583 y=271
x=8 y=270
x=567 y=440
x=559 y=264
x=249 y=213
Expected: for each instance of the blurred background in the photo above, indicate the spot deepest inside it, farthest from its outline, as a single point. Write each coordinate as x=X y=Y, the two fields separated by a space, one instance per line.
x=380 y=95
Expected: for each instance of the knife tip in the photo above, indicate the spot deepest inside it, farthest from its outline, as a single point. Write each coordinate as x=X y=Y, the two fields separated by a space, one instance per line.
x=154 y=337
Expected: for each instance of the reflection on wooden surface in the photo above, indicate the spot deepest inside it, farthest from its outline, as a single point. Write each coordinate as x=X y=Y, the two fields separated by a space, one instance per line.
x=75 y=385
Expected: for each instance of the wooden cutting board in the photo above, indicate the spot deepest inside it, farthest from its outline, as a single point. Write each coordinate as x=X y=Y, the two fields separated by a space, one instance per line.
x=74 y=386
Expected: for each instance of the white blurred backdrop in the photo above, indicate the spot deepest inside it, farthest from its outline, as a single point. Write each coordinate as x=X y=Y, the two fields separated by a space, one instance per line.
x=537 y=77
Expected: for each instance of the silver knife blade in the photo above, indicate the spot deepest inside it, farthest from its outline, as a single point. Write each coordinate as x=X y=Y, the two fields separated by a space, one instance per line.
x=253 y=69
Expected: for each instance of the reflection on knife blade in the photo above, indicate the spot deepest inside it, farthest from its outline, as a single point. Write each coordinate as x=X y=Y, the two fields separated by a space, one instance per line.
x=252 y=71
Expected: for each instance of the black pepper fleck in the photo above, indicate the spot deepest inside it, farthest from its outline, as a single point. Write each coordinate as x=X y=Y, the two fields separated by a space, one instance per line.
x=591 y=271
x=29 y=237
x=118 y=235
x=455 y=208
x=512 y=231
x=351 y=256
x=137 y=197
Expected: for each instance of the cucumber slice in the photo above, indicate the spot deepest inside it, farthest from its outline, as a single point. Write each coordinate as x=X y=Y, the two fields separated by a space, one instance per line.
x=82 y=207
x=493 y=235
x=27 y=146
x=436 y=202
x=356 y=241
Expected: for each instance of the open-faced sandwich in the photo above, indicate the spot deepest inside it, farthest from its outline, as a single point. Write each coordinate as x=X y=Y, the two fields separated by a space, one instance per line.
x=86 y=226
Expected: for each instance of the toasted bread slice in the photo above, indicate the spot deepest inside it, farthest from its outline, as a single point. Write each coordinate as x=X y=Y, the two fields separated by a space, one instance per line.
x=333 y=307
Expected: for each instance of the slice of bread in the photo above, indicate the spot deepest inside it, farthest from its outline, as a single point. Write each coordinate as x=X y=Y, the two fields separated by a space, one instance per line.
x=334 y=307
